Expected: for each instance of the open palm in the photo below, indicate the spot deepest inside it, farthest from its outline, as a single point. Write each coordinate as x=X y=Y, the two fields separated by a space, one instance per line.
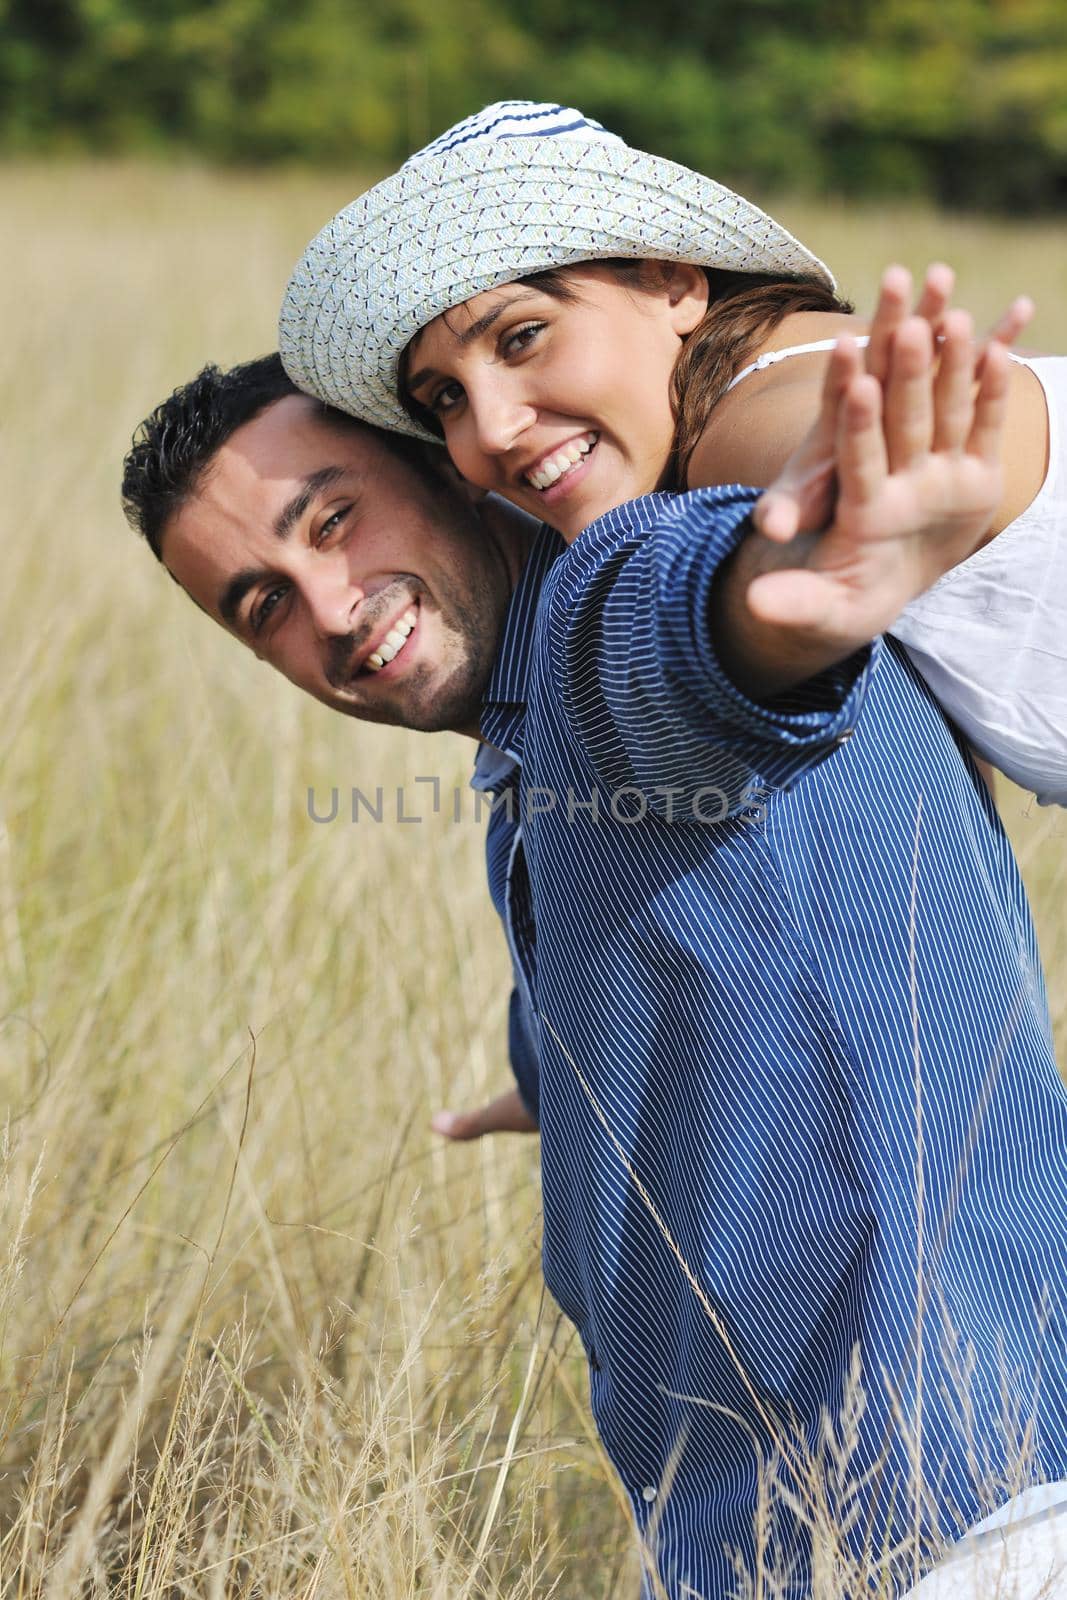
x=901 y=470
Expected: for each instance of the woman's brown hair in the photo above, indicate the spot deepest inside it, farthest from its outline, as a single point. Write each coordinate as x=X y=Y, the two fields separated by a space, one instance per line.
x=743 y=308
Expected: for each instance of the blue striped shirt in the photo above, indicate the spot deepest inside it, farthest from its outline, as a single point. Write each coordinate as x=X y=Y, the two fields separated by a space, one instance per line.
x=498 y=773
x=798 y=1097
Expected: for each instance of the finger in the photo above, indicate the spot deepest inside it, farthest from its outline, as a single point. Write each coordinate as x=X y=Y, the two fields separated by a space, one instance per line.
x=1014 y=320
x=861 y=457
x=991 y=405
x=954 y=383
x=909 y=394
x=459 y=1125
x=804 y=506
x=894 y=300
x=844 y=363
x=933 y=303
x=802 y=495
x=776 y=515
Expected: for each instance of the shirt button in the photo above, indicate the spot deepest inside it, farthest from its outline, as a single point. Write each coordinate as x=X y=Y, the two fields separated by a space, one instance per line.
x=843 y=738
x=648 y=1493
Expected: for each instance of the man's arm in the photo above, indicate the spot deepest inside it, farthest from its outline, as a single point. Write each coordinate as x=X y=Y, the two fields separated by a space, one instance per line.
x=915 y=459
x=506 y=1113
x=642 y=704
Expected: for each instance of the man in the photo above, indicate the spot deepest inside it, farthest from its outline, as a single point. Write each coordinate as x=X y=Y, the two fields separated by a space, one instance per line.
x=256 y=433
x=742 y=1025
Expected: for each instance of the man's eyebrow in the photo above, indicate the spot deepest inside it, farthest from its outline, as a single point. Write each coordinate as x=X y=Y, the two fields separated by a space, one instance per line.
x=239 y=585
x=313 y=484
x=481 y=325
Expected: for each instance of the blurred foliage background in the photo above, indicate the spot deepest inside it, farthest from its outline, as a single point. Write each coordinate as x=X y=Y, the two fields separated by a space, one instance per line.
x=962 y=102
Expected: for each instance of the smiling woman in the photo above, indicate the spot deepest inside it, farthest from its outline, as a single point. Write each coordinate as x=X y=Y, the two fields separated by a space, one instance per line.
x=583 y=324
x=532 y=384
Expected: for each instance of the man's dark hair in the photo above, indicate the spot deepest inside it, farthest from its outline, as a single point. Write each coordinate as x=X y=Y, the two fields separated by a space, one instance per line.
x=175 y=444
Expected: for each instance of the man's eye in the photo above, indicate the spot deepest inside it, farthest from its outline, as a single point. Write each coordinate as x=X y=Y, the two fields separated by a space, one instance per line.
x=261 y=612
x=520 y=339
x=331 y=525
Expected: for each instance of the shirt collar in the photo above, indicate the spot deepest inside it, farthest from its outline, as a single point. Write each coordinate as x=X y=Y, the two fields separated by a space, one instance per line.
x=493 y=768
x=504 y=705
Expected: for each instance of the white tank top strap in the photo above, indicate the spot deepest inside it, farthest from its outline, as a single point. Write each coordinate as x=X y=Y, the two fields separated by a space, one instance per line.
x=770 y=357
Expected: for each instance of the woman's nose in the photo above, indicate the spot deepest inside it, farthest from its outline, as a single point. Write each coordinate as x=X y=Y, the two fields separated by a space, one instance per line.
x=500 y=418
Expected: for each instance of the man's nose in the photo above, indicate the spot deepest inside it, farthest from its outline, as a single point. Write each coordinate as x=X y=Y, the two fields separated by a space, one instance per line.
x=331 y=600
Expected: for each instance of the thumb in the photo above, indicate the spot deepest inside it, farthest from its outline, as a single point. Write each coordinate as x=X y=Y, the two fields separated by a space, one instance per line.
x=795 y=599
x=776 y=515
x=458 y=1125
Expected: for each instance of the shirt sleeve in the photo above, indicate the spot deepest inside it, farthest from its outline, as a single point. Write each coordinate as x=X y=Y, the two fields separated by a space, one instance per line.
x=500 y=840
x=522 y=1052
x=642 y=683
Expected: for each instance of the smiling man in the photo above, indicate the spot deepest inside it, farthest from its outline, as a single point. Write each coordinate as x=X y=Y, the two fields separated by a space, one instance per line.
x=740 y=1010
x=336 y=553
x=352 y=562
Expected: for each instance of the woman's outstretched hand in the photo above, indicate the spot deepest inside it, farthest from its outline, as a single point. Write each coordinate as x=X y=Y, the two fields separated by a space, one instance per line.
x=801 y=499
x=505 y=1114
x=901 y=476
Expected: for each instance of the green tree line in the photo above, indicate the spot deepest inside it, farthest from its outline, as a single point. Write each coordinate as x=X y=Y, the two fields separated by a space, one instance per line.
x=963 y=100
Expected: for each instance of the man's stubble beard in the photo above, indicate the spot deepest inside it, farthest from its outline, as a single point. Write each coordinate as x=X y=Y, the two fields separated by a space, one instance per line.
x=473 y=635
x=429 y=702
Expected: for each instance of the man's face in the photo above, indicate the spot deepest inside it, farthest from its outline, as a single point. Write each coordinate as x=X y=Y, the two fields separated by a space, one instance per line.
x=326 y=554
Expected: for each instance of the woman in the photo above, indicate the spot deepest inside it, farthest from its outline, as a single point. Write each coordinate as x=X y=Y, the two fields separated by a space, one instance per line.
x=586 y=385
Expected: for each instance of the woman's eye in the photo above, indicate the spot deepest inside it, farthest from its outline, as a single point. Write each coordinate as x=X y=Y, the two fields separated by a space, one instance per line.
x=261 y=612
x=447 y=398
x=519 y=339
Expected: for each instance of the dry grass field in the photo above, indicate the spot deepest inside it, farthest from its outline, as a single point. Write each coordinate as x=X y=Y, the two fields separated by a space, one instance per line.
x=260 y=1333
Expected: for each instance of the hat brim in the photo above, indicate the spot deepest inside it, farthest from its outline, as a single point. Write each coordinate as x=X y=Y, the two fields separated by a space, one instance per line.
x=449 y=226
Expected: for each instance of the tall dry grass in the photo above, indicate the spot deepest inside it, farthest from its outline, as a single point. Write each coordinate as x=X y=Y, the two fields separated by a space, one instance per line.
x=259 y=1333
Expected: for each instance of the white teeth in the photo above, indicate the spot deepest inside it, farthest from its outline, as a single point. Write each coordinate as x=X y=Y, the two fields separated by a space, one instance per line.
x=393 y=643
x=555 y=467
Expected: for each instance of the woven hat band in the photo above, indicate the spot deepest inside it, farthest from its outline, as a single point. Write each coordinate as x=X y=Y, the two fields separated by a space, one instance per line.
x=515 y=119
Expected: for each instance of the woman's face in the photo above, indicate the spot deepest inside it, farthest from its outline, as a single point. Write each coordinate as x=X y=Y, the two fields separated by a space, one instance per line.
x=563 y=407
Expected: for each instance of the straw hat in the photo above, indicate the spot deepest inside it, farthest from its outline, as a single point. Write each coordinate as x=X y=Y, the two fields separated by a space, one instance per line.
x=515 y=189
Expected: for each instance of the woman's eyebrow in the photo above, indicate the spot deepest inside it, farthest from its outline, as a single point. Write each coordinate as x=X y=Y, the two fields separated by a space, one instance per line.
x=479 y=326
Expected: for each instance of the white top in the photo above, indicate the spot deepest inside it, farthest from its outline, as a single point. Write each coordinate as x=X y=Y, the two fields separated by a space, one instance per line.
x=990 y=637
